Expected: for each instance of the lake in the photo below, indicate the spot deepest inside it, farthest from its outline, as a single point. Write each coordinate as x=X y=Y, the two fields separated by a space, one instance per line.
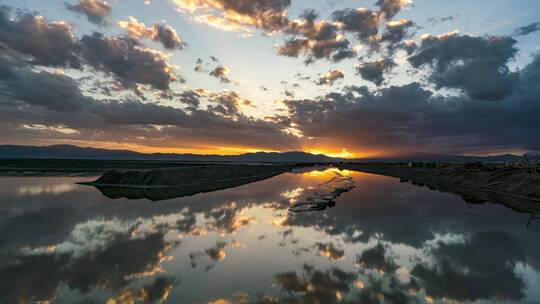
x=382 y=242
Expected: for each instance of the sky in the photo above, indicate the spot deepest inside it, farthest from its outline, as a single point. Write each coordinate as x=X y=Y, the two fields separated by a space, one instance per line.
x=340 y=77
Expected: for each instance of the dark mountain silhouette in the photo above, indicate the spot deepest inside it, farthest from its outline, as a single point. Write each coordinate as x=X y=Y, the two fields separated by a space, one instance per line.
x=75 y=152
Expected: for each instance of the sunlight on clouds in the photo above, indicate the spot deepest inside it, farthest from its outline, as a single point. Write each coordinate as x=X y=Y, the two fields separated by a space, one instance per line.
x=60 y=129
x=223 y=24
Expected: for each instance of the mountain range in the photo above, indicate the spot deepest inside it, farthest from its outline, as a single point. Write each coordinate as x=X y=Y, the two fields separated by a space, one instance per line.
x=75 y=152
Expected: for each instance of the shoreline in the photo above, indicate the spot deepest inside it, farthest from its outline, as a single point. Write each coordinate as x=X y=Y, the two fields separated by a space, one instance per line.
x=516 y=188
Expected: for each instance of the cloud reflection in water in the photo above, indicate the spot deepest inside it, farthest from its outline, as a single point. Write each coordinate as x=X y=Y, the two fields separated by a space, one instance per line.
x=384 y=242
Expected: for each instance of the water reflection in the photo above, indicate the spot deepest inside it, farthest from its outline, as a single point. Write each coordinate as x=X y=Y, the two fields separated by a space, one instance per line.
x=383 y=242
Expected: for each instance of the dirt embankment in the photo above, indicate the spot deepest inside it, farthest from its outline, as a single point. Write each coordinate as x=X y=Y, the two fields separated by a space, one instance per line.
x=160 y=184
x=517 y=188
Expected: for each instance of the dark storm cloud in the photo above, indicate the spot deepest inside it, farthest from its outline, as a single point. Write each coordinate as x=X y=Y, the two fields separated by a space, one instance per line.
x=409 y=117
x=45 y=43
x=128 y=61
x=528 y=29
x=475 y=65
x=55 y=101
x=390 y=8
x=374 y=71
x=54 y=44
x=362 y=22
x=44 y=89
x=97 y=11
x=162 y=33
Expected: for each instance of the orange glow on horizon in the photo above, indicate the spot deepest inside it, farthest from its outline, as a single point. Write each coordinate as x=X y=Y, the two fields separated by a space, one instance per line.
x=218 y=150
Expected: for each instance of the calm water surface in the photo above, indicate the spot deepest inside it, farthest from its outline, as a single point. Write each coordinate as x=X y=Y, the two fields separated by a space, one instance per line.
x=383 y=242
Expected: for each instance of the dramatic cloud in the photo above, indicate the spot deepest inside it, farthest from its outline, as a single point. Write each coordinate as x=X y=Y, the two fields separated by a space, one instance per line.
x=128 y=61
x=48 y=90
x=390 y=8
x=268 y=15
x=97 y=11
x=315 y=39
x=222 y=73
x=475 y=65
x=408 y=118
x=330 y=77
x=374 y=71
x=162 y=33
x=362 y=21
x=45 y=43
x=51 y=106
x=528 y=29
x=460 y=93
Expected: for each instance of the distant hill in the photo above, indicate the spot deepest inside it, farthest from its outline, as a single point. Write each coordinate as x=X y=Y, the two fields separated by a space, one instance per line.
x=433 y=157
x=75 y=152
